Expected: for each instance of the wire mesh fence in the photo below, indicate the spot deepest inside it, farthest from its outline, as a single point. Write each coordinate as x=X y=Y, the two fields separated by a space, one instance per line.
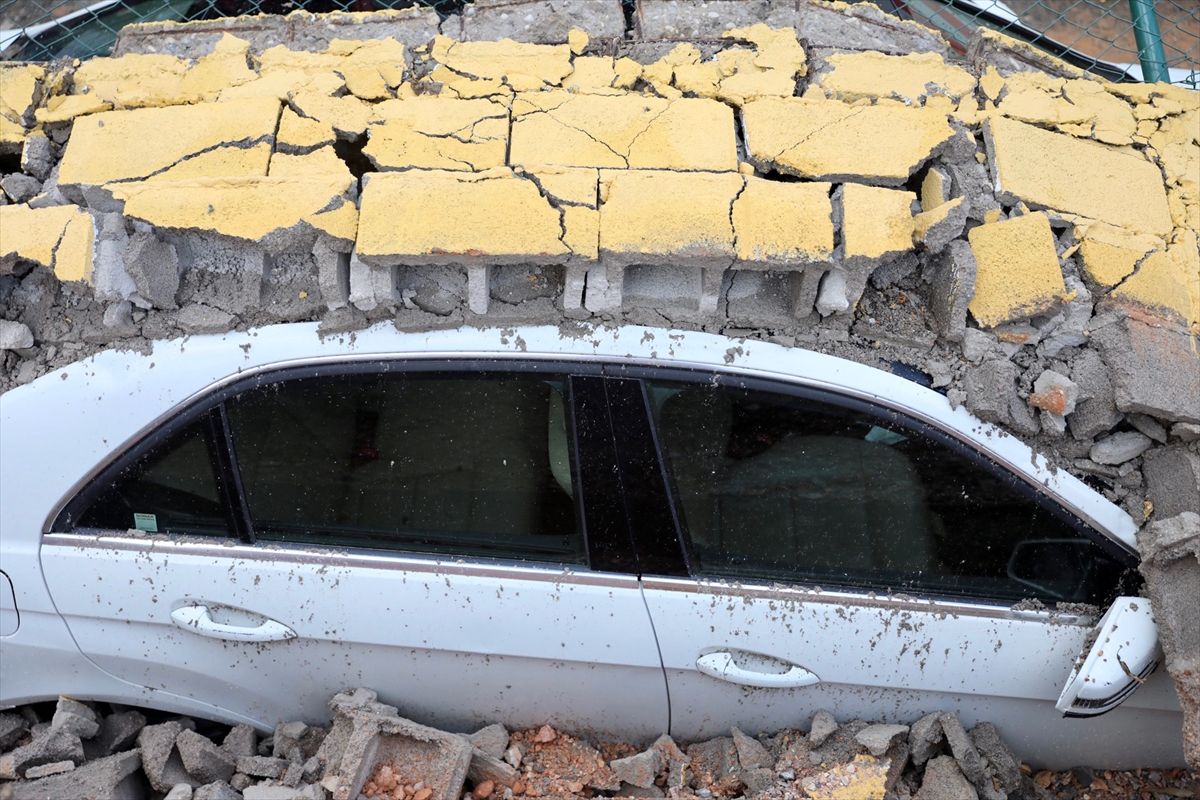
x=1118 y=39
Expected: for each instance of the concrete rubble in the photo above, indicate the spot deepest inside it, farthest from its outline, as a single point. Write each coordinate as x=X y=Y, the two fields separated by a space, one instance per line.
x=370 y=751
x=1020 y=233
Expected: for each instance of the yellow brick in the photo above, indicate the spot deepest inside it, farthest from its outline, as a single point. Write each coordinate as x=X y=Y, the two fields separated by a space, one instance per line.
x=135 y=80
x=876 y=222
x=593 y=75
x=908 y=77
x=569 y=185
x=780 y=225
x=32 y=234
x=991 y=82
x=1017 y=271
x=347 y=115
x=577 y=40
x=219 y=163
x=226 y=66
x=1161 y=286
x=493 y=217
x=1057 y=171
x=933 y=190
x=1109 y=254
x=650 y=217
x=582 y=233
x=826 y=139
x=247 y=208
x=67 y=107
x=525 y=67
x=12 y=136
x=633 y=131
x=438 y=133
x=322 y=161
x=924 y=221
x=661 y=74
x=19 y=89
x=371 y=68
x=464 y=88
x=302 y=133
x=628 y=72
x=102 y=149
x=340 y=221
x=775 y=48
x=1112 y=120
x=73 y=259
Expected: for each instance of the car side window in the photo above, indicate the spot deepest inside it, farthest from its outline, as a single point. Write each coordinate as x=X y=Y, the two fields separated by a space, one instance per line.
x=174 y=488
x=780 y=487
x=456 y=464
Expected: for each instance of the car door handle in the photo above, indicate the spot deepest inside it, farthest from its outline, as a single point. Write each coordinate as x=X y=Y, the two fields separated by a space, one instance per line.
x=197 y=620
x=723 y=666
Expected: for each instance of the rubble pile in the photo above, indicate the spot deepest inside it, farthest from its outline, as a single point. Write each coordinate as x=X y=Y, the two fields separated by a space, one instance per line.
x=1015 y=233
x=371 y=752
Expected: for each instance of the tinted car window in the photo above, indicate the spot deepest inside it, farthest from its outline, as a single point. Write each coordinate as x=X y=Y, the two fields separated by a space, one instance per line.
x=785 y=488
x=174 y=488
x=453 y=464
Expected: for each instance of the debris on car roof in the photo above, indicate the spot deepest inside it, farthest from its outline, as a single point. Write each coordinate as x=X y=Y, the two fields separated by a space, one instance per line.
x=818 y=176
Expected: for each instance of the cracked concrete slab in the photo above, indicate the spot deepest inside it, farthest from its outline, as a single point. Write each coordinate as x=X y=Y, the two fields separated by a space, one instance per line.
x=668 y=218
x=59 y=238
x=877 y=223
x=628 y=131
x=1109 y=254
x=872 y=75
x=784 y=226
x=99 y=151
x=265 y=210
x=431 y=132
x=1018 y=274
x=521 y=66
x=1091 y=180
x=830 y=140
x=493 y=217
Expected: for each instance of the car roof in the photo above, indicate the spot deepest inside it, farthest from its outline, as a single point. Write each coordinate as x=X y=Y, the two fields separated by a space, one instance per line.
x=93 y=409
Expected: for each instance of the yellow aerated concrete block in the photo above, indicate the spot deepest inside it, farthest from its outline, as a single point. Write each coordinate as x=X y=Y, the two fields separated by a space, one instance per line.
x=782 y=225
x=135 y=80
x=12 y=135
x=910 y=78
x=301 y=133
x=524 y=67
x=19 y=89
x=1061 y=172
x=32 y=234
x=830 y=140
x=876 y=222
x=650 y=217
x=347 y=115
x=1160 y=285
x=442 y=217
x=73 y=258
x=67 y=107
x=226 y=66
x=576 y=191
x=322 y=161
x=247 y=208
x=127 y=145
x=1109 y=254
x=221 y=161
x=1017 y=272
x=634 y=131
x=371 y=68
x=438 y=133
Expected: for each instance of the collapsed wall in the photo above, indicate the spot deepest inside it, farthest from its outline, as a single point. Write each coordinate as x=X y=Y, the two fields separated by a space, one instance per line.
x=1012 y=231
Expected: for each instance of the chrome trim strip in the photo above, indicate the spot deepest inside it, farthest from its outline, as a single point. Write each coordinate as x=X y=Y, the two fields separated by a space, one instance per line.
x=453 y=355
x=903 y=602
x=362 y=559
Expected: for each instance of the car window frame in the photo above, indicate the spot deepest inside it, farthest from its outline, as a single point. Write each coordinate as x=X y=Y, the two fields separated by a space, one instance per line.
x=607 y=535
x=712 y=376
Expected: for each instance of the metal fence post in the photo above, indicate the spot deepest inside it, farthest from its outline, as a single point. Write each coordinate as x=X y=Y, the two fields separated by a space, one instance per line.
x=1149 y=41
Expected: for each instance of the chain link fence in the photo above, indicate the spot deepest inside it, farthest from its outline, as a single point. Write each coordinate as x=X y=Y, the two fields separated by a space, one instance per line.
x=1118 y=39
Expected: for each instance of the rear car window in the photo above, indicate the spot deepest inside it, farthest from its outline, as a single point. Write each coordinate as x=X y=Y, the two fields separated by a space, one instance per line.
x=462 y=465
x=173 y=488
x=777 y=487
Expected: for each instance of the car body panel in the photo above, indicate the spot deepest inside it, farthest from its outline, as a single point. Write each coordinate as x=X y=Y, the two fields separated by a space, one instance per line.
x=94 y=410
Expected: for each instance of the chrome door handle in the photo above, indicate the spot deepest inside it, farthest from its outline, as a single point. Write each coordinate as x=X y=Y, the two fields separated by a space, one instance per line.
x=723 y=666
x=195 y=618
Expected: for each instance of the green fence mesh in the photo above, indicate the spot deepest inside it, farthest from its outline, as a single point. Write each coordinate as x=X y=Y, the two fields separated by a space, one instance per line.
x=1098 y=35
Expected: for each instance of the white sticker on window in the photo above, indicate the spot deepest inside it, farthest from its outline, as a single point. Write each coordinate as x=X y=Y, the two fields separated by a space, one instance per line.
x=146 y=522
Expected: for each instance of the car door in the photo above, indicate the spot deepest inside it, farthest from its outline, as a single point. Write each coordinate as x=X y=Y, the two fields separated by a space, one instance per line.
x=847 y=557
x=443 y=532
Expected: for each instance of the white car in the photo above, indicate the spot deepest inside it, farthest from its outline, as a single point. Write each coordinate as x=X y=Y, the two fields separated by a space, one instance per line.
x=619 y=532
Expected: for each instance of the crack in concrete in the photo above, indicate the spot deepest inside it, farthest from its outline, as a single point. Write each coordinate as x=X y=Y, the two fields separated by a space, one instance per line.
x=813 y=133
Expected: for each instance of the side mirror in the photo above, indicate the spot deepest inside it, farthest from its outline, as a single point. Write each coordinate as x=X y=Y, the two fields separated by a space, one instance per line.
x=1123 y=654
x=1055 y=568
